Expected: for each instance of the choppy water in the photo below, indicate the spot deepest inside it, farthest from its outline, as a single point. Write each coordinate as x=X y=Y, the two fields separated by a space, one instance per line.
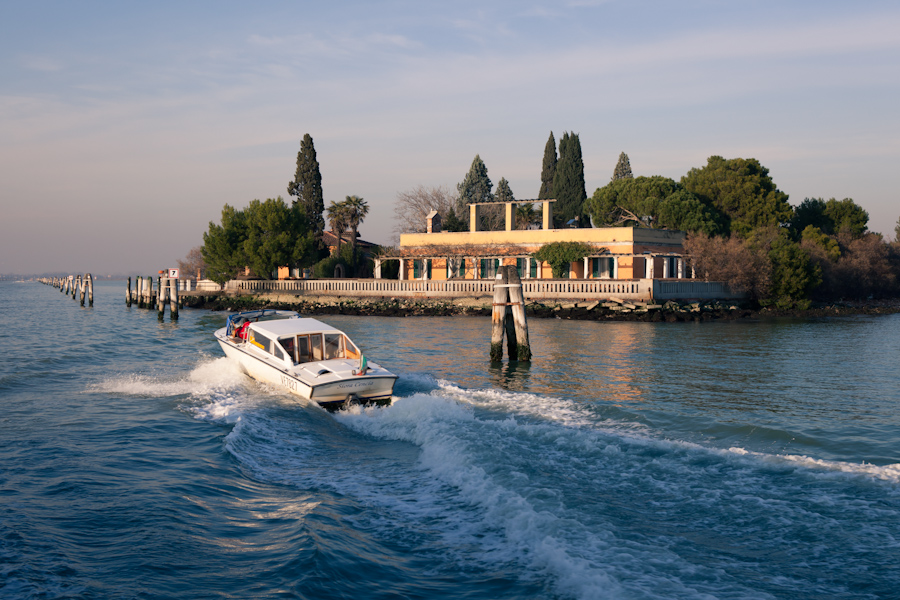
x=631 y=460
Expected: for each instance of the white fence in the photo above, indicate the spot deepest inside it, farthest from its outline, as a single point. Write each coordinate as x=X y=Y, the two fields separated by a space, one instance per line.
x=534 y=289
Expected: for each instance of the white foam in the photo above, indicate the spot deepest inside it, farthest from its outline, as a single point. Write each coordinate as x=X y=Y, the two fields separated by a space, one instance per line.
x=889 y=473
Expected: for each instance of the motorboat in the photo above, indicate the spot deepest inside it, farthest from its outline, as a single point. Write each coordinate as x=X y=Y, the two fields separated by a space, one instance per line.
x=305 y=356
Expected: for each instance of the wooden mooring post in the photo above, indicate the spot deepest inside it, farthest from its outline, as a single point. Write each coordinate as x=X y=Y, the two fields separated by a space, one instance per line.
x=128 y=293
x=508 y=317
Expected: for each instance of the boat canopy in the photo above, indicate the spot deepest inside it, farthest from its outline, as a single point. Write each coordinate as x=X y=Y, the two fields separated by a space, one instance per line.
x=238 y=319
x=292 y=327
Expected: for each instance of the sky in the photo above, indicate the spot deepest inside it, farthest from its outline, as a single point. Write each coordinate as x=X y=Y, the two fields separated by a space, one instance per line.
x=126 y=127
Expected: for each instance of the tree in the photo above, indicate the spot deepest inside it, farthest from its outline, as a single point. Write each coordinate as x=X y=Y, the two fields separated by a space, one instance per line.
x=223 y=245
x=548 y=169
x=526 y=215
x=897 y=232
x=452 y=222
x=504 y=193
x=357 y=209
x=277 y=235
x=742 y=190
x=623 y=168
x=193 y=264
x=847 y=214
x=476 y=186
x=811 y=213
x=306 y=187
x=794 y=274
x=652 y=202
x=264 y=236
x=337 y=219
x=568 y=183
x=412 y=206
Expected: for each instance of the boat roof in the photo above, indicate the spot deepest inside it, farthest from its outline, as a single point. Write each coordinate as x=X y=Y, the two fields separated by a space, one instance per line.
x=282 y=327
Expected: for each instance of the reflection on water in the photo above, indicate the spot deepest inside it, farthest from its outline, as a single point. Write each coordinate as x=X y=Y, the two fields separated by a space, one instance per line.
x=709 y=382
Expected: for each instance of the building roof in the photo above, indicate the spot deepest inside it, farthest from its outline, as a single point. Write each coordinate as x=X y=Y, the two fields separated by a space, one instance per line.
x=330 y=239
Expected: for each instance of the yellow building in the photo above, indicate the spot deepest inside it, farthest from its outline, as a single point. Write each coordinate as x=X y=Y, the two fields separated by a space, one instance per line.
x=621 y=252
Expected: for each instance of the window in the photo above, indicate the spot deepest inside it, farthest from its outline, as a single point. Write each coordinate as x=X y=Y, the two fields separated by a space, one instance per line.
x=456 y=267
x=602 y=268
x=521 y=265
x=534 y=267
x=303 y=353
x=315 y=340
x=420 y=266
x=259 y=340
x=334 y=347
x=350 y=349
x=489 y=267
x=288 y=345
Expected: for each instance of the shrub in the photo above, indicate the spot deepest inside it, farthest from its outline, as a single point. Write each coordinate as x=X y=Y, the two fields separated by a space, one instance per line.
x=560 y=256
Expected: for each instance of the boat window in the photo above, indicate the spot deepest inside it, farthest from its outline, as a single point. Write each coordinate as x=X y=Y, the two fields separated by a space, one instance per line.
x=276 y=350
x=350 y=349
x=303 y=354
x=316 y=343
x=260 y=340
x=288 y=345
x=334 y=348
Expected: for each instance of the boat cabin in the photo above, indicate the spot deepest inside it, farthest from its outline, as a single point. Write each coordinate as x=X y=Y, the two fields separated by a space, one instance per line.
x=297 y=341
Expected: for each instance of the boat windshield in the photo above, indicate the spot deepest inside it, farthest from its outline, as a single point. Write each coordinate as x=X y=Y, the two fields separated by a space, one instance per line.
x=319 y=346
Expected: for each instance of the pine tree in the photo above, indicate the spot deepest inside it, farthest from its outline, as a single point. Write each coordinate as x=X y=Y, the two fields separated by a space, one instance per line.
x=548 y=170
x=568 y=184
x=504 y=193
x=623 y=168
x=307 y=186
x=476 y=187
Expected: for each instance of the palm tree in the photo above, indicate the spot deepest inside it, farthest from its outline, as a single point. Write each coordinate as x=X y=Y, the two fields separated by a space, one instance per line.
x=525 y=215
x=337 y=217
x=357 y=209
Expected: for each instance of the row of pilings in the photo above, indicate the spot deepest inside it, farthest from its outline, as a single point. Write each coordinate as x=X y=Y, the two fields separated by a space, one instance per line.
x=146 y=296
x=78 y=286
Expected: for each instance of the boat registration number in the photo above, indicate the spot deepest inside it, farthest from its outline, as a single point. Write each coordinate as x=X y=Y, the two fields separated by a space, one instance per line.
x=289 y=383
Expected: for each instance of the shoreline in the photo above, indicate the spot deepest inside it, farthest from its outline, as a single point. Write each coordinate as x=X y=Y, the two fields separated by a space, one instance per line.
x=670 y=312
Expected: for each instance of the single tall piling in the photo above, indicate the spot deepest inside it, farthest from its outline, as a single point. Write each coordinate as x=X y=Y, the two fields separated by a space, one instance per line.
x=517 y=304
x=90 y=289
x=498 y=313
x=161 y=291
x=512 y=349
x=82 y=288
x=173 y=299
x=128 y=293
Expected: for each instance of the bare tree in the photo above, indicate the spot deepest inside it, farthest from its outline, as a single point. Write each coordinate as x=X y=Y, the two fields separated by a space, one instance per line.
x=412 y=206
x=193 y=264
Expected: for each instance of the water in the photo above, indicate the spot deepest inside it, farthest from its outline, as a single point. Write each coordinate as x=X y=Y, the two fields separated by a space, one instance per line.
x=630 y=460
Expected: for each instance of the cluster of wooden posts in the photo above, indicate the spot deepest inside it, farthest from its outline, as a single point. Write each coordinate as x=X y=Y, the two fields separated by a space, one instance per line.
x=508 y=317
x=77 y=285
x=145 y=296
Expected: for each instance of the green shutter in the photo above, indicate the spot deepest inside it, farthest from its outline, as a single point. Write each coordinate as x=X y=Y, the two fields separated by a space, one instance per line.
x=534 y=266
x=417 y=271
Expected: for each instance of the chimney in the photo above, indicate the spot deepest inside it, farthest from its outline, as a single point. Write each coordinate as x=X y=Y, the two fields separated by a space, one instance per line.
x=433 y=222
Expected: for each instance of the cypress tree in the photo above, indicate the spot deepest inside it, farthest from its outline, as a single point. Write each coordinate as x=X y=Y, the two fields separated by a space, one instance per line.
x=548 y=170
x=568 y=184
x=623 y=168
x=307 y=187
